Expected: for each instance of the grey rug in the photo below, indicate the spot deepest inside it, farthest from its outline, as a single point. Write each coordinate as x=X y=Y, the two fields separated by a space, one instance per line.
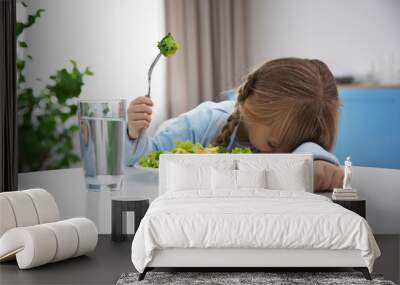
x=231 y=278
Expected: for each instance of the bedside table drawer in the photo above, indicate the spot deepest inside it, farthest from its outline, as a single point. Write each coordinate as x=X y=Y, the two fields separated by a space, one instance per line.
x=357 y=206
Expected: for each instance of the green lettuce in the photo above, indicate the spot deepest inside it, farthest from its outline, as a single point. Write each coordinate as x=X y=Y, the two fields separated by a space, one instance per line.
x=241 y=150
x=151 y=160
x=168 y=46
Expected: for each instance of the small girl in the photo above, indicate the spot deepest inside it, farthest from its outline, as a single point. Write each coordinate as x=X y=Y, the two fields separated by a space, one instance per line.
x=286 y=105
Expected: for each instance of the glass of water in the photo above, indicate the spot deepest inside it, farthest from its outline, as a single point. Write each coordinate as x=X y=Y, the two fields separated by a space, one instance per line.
x=102 y=138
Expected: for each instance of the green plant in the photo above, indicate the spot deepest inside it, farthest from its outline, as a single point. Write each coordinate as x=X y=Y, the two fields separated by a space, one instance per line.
x=45 y=118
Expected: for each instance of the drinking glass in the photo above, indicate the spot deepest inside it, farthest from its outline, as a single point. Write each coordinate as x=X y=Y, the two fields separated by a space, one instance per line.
x=102 y=137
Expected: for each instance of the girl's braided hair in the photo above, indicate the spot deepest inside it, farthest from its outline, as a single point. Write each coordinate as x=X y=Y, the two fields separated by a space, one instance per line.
x=296 y=97
x=234 y=119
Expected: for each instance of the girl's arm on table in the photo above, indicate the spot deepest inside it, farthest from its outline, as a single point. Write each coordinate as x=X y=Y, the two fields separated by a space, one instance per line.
x=318 y=152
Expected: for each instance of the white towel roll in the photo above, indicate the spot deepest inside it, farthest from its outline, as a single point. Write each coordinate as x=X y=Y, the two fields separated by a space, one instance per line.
x=87 y=233
x=46 y=206
x=67 y=239
x=33 y=246
x=37 y=245
x=7 y=218
x=31 y=233
x=23 y=207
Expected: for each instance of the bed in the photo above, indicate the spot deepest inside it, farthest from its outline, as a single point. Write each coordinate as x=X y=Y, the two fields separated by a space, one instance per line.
x=247 y=211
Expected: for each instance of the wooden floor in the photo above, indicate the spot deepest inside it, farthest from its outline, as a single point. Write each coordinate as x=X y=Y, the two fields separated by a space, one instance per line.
x=110 y=260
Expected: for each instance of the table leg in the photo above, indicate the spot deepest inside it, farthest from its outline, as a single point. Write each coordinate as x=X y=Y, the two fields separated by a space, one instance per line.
x=118 y=221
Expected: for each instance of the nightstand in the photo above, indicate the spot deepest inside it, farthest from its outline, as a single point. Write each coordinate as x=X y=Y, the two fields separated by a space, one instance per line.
x=357 y=206
x=119 y=207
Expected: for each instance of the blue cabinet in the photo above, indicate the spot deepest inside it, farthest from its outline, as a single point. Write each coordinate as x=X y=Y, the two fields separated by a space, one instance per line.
x=369 y=128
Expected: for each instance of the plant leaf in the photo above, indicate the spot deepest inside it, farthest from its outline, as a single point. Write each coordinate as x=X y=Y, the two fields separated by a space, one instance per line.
x=23 y=44
x=45 y=131
x=88 y=72
x=21 y=26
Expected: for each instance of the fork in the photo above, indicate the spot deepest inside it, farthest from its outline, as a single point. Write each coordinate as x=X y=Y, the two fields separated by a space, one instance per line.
x=147 y=95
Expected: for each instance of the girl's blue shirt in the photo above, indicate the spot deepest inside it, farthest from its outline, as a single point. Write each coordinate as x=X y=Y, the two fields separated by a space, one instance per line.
x=202 y=125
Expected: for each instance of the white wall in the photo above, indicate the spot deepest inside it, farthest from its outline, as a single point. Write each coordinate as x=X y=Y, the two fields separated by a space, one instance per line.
x=116 y=38
x=346 y=34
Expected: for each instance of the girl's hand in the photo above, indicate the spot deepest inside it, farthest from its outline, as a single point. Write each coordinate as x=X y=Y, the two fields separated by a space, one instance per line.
x=327 y=176
x=139 y=115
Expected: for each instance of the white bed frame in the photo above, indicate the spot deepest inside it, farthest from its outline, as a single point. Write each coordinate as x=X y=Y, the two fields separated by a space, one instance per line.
x=242 y=258
x=237 y=257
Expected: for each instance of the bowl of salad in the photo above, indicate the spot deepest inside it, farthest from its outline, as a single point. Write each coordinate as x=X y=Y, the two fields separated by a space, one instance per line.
x=152 y=159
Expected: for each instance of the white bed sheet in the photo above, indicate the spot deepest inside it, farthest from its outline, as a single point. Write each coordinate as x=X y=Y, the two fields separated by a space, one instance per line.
x=252 y=218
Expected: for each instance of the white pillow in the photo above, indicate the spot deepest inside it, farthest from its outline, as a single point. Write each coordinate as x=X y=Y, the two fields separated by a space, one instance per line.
x=183 y=177
x=288 y=176
x=282 y=174
x=251 y=178
x=225 y=179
